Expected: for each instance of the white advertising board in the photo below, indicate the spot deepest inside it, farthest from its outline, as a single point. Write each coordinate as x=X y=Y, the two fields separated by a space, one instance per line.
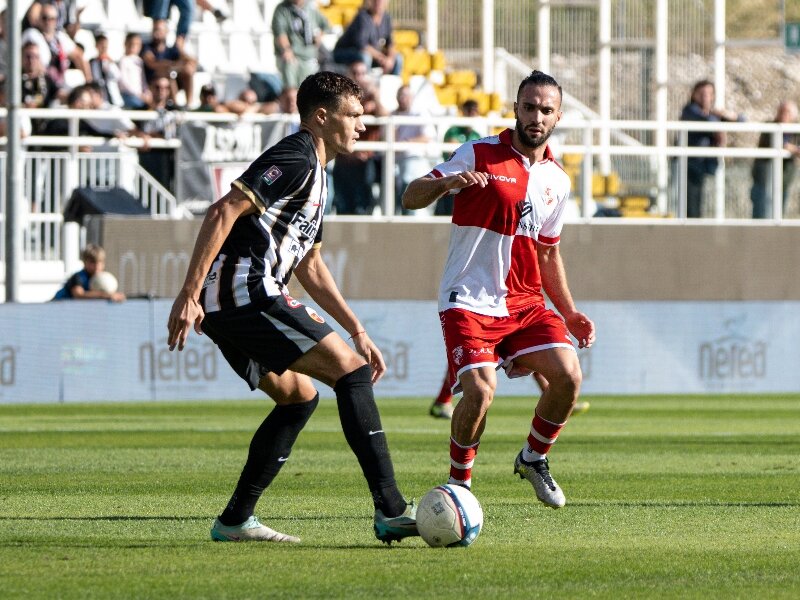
x=85 y=351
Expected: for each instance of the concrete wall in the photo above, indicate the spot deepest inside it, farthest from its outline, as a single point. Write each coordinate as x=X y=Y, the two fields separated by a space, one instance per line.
x=404 y=260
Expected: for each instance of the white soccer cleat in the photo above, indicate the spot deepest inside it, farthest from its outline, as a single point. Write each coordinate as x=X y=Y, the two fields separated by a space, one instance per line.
x=538 y=474
x=249 y=531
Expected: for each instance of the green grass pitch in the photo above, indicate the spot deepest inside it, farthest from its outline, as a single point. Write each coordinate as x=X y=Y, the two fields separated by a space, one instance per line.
x=688 y=497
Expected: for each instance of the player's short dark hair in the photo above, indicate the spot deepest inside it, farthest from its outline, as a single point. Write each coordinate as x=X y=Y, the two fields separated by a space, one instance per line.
x=324 y=90
x=540 y=78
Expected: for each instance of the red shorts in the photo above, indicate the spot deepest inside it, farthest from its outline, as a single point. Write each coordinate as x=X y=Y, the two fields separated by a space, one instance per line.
x=473 y=340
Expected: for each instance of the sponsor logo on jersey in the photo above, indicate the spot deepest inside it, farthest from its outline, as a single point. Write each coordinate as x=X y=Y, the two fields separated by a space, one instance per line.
x=502 y=178
x=212 y=277
x=271 y=175
x=314 y=315
x=308 y=227
x=291 y=302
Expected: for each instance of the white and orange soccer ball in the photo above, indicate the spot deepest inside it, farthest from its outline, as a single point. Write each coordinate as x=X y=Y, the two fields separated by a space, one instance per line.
x=449 y=515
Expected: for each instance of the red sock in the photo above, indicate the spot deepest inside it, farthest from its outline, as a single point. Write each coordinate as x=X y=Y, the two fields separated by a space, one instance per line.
x=444 y=396
x=461 y=460
x=543 y=435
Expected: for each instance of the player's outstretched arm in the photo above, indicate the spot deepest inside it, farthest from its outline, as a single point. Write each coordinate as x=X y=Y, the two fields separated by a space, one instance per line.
x=316 y=279
x=424 y=191
x=186 y=310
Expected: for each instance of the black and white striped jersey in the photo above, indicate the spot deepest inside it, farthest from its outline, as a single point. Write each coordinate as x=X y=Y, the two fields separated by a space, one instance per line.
x=287 y=184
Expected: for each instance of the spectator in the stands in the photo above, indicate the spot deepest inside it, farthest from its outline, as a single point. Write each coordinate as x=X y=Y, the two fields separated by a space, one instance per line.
x=80 y=98
x=25 y=126
x=297 y=27
x=458 y=134
x=132 y=81
x=287 y=105
x=412 y=163
x=105 y=72
x=162 y=60
x=38 y=88
x=214 y=8
x=368 y=39
x=160 y=162
x=209 y=102
x=246 y=103
x=69 y=15
x=354 y=174
x=114 y=123
x=159 y=10
x=78 y=286
x=56 y=48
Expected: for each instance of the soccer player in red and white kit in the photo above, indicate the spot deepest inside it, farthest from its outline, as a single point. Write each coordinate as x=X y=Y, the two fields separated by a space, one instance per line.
x=507 y=219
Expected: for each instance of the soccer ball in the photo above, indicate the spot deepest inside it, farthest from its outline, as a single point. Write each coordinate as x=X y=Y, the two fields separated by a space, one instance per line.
x=103 y=282
x=449 y=515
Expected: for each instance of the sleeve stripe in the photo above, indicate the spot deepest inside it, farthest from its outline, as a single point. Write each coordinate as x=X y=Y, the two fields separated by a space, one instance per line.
x=549 y=241
x=240 y=185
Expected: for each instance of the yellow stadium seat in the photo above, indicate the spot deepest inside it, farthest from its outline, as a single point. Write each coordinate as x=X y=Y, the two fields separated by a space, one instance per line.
x=462 y=78
x=571 y=159
x=333 y=14
x=437 y=61
x=348 y=14
x=446 y=95
x=405 y=38
x=347 y=3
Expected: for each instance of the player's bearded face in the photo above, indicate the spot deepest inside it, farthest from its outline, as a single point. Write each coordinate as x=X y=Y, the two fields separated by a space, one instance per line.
x=538 y=111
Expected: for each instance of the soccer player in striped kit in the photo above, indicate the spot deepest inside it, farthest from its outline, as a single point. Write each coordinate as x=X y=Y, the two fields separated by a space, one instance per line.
x=252 y=240
x=507 y=218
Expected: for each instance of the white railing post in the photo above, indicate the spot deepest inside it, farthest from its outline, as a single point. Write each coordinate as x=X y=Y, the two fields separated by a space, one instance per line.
x=388 y=175
x=543 y=45
x=488 y=46
x=662 y=102
x=604 y=84
x=587 y=167
x=432 y=25
x=683 y=176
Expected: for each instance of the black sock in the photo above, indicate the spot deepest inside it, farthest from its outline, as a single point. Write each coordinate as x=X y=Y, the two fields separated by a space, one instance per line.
x=362 y=428
x=269 y=449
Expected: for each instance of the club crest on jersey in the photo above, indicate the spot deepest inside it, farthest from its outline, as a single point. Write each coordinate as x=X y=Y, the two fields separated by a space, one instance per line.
x=271 y=175
x=291 y=302
x=314 y=315
x=548 y=194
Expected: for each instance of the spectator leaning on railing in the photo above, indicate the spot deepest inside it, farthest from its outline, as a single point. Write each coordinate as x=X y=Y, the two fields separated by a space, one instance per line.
x=761 y=192
x=699 y=168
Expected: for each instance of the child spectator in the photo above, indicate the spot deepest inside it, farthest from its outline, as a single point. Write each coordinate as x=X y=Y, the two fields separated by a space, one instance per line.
x=78 y=286
x=132 y=82
x=105 y=72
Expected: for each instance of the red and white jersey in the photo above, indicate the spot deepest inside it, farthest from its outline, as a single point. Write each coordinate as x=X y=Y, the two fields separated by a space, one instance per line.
x=492 y=267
